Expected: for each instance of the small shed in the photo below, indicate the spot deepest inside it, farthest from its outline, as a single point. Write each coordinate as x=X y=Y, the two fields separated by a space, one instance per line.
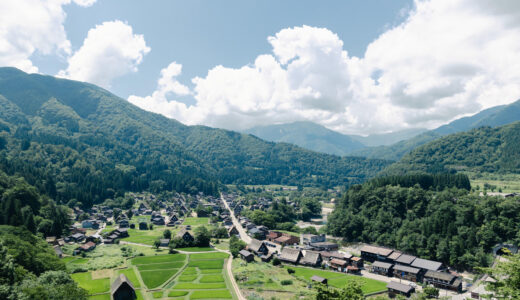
x=396 y=288
x=247 y=256
x=122 y=289
x=319 y=279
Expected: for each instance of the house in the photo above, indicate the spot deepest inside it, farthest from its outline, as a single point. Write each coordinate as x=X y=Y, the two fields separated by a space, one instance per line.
x=87 y=223
x=266 y=257
x=273 y=235
x=395 y=255
x=324 y=246
x=143 y=225
x=373 y=253
x=443 y=280
x=291 y=255
x=312 y=259
x=58 y=251
x=51 y=240
x=164 y=242
x=396 y=288
x=77 y=237
x=258 y=247
x=185 y=235
x=307 y=239
x=405 y=259
x=356 y=262
x=233 y=231
x=257 y=233
x=327 y=255
x=173 y=218
x=122 y=232
x=287 y=239
x=124 y=223
x=247 y=256
x=381 y=268
x=408 y=273
x=319 y=279
x=122 y=289
x=427 y=265
x=338 y=264
x=87 y=247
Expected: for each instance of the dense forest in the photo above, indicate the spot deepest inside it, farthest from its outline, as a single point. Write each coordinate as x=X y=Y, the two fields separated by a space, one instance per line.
x=486 y=149
x=450 y=225
x=76 y=142
x=29 y=269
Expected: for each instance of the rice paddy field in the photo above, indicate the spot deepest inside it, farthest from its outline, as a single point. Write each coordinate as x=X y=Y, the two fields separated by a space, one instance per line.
x=178 y=276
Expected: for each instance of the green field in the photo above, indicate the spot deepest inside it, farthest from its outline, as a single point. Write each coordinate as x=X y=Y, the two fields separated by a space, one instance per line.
x=177 y=293
x=211 y=271
x=93 y=286
x=211 y=278
x=100 y=297
x=195 y=221
x=207 y=256
x=506 y=183
x=198 y=286
x=154 y=278
x=197 y=249
x=145 y=260
x=162 y=266
x=207 y=264
x=130 y=274
x=187 y=278
x=218 y=294
x=339 y=280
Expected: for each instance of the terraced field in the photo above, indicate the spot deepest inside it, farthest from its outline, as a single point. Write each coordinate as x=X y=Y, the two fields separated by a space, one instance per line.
x=179 y=276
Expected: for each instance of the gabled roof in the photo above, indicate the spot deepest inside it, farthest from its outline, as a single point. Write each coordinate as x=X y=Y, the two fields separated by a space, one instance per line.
x=440 y=275
x=290 y=254
x=399 y=287
x=318 y=279
x=311 y=258
x=119 y=282
x=182 y=232
x=426 y=264
x=245 y=253
x=255 y=245
x=376 y=250
x=380 y=264
x=338 y=262
x=401 y=268
x=405 y=259
x=395 y=255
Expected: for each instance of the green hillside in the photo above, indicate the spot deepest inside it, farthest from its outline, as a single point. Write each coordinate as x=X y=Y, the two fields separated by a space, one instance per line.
x=486 y=149
x=76 y=141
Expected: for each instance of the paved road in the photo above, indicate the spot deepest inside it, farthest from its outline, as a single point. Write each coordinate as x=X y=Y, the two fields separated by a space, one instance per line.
x=241 y=231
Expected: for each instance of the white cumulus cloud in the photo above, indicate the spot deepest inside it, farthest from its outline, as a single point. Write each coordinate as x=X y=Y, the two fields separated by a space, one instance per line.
x=110 y=50
x=449 y=58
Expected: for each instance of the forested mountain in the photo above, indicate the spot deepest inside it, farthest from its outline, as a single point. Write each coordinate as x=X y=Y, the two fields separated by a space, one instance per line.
x=308 y=135
x=484 y=149
x=435 y=221
x=492 y=117
x=75 y=141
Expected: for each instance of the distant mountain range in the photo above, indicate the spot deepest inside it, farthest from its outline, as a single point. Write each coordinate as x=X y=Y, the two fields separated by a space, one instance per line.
x=389 y=146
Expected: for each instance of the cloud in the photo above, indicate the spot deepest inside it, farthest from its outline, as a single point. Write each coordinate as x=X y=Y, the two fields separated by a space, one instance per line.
x=449 y=58
x=110 y=50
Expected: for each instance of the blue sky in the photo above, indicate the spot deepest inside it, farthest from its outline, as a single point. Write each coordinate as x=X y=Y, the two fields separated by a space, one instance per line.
x=203 y=34
x=357 y=67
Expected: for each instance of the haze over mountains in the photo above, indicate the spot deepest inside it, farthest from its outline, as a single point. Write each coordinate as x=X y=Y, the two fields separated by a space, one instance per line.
x=390 y=146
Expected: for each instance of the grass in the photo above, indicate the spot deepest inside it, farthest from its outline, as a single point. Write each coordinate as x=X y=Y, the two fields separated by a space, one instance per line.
x=207 y=264
x=147 y=237
x=68 y=259
x=188 y=278
x=223 y=244
x=100 y=297
x=218 y=294
x=130 y=274
x=208 y=256
x=145 y=260
x=153 y=279
x=177 y=293
x=508 y=183
x=163 y=266
x=339 y=280
x=197 y=249
x=195 y=221
x=212 y=278
x=80 y=261
x=157 y=294
x=211 y=271
x=198 y=286
x=189 y=271
x=93 y=286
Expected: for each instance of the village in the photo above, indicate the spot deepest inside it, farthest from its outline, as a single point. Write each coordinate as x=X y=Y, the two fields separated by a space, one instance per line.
x=150 y=217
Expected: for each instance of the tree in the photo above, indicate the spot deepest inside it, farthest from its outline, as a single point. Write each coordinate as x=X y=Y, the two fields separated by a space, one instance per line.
x=129 y=214
x=350 y=292
x=157 y=244
x=431 y=292
x=235 y=245
x=202 y=236
x=167 y=234
x=507 y=278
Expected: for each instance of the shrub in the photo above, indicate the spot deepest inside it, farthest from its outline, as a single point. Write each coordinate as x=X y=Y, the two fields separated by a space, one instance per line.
x=286 y=282
x=276 y=261
x=290 y=271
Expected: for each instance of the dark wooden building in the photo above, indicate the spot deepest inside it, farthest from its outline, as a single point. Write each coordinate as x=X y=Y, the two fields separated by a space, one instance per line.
x=122 y=289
